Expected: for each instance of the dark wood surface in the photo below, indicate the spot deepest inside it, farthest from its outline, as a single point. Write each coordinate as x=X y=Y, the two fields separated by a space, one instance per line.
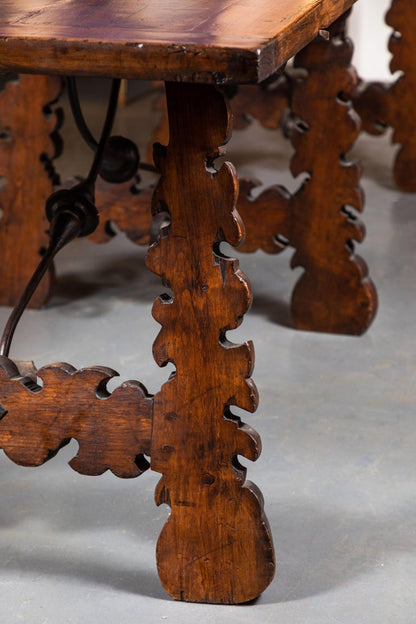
x=185 y=40
x=334 y=293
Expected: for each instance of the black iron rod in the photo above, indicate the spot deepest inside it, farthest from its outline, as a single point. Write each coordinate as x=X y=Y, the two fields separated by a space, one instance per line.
x=106 y=131
x=78 y=115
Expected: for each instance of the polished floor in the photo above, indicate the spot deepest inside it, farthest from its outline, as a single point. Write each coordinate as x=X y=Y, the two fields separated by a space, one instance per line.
x=337 y=419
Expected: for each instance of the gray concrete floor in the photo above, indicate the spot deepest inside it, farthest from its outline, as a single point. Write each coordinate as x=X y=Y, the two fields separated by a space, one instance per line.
x=336 y=418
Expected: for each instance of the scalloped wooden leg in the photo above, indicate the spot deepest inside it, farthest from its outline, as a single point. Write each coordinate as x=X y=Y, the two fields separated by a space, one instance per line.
x=383 y=105
x=402 y=19
x=27 y=146
x=216 y=546
x=334 y=293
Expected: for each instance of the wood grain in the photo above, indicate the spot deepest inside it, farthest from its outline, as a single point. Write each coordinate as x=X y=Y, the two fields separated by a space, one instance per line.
x=113 y=430
x=216 y=545
x=184 y=40
x=28 y=143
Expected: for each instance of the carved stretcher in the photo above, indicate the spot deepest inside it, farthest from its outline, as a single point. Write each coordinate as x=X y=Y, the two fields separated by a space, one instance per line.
x=216 y=545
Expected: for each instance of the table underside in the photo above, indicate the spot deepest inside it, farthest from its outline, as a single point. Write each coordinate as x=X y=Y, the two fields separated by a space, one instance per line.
x=180 y=40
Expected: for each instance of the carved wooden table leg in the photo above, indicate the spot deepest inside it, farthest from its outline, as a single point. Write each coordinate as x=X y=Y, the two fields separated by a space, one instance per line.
x=381 y=105
x=28 y=142
x=216 y=545
x=334 y=293
x=402 y=19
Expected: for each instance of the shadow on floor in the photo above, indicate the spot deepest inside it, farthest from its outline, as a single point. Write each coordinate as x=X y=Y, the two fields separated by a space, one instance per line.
x=317 y=548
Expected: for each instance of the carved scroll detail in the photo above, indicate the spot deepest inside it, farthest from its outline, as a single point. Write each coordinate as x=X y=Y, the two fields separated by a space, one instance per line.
x=113 y=430
x=382 y=105
x=28 y=143
x=334 y=293
x=216 y=545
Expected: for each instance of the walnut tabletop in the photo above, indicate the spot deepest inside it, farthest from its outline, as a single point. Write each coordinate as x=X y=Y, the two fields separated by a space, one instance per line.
x=182 y=40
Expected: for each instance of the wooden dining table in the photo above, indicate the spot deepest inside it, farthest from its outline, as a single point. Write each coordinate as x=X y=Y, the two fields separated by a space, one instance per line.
x=216 y=545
